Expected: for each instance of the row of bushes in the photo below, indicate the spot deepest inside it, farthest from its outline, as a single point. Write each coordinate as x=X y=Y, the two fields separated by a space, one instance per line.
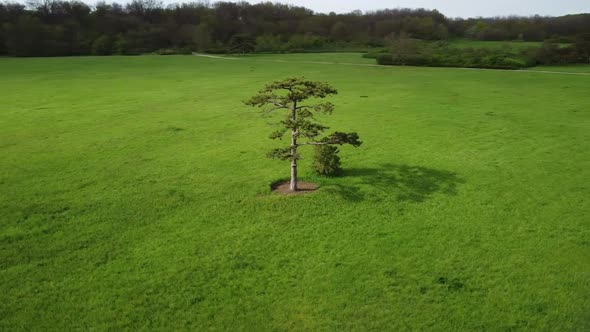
x=491 y=62
x=241 y=43
x=437 y=55
x=174 y=51
x=467 y=60
x=294 y=44
x=553 y=54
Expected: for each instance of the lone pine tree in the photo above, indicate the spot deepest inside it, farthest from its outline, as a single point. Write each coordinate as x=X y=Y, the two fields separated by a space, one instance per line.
x=289 y=94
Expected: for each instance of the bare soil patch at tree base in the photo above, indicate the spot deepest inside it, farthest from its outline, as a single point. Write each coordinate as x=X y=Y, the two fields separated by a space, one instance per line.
x=282 y=187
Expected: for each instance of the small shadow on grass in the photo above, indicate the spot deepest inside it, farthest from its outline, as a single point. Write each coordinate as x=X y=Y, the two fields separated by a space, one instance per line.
x=402 y=182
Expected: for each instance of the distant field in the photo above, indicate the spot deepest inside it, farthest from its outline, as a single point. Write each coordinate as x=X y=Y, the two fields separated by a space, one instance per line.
x=135 y=196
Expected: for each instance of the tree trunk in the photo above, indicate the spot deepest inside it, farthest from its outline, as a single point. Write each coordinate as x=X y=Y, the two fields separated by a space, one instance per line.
x=293 y=185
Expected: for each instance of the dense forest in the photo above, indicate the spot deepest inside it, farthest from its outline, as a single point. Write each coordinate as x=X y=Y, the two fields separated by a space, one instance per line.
x=58 y=28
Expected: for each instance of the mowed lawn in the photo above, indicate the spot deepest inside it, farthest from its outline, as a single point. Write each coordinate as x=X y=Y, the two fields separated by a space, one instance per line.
x=134 y=194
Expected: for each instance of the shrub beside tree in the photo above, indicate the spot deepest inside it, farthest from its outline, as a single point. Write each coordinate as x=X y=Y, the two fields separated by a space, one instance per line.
x=326 y=160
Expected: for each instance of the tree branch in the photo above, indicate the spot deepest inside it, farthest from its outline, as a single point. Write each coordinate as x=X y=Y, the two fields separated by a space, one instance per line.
x=315 y=143
x=272 y=109
x=277 y=104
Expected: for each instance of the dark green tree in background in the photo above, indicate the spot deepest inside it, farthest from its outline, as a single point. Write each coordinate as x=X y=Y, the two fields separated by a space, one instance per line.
x=402 y=47
x=242 y=44
x=102 y=46
x=583 y=47
x=289 y=95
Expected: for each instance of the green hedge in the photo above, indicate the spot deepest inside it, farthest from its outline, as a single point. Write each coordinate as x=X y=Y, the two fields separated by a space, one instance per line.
x=174 y=51
x=436 y=55
x=452 y=61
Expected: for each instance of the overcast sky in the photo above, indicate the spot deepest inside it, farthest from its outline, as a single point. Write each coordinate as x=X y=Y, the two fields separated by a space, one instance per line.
x=451 y=8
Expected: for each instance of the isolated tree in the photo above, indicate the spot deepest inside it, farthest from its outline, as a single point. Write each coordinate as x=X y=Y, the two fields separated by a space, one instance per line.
x=289 y=94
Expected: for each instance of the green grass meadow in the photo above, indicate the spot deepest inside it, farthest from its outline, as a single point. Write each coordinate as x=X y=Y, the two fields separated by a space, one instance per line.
x=134 y=194
x=581 y=69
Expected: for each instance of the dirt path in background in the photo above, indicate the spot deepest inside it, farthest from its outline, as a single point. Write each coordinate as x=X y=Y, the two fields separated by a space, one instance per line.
x=374 y=65
x=214 y=56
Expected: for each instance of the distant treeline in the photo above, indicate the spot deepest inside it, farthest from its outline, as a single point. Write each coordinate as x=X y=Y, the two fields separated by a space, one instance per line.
x=57 y=28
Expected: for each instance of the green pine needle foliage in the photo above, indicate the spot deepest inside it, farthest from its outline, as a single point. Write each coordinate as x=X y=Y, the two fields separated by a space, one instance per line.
x=326 y=161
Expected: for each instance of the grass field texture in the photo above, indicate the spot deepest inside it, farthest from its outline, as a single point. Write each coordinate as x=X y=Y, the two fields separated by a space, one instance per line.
x=135 y=195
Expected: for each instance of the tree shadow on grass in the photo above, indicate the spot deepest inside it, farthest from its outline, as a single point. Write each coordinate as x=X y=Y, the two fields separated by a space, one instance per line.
x=401 y=182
